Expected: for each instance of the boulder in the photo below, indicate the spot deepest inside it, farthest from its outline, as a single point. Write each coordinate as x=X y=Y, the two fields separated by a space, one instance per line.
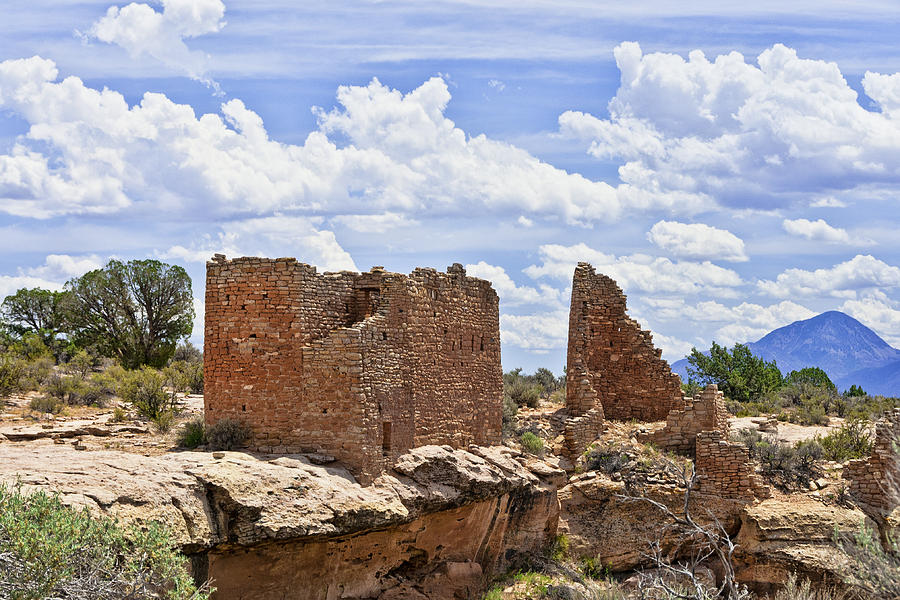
x=437 y=527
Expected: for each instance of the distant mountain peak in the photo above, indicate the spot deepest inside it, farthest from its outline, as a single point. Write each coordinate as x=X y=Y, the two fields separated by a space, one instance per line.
x=835 y=342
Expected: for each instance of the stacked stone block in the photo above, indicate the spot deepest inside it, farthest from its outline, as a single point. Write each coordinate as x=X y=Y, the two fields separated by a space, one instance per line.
x=362 y=366
x=705 y=412
x=875 y=481
x=725 y=469
x=622 y=369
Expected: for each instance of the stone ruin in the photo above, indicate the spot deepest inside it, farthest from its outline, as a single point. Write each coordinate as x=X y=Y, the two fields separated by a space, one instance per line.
x=358 y=366
x=613 y=370
x=875 y=481
x=705 y=412
x=725 y=468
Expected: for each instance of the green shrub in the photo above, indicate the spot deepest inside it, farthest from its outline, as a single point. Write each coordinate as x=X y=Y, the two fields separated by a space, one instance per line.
x=790 y=467
x=186 y=376
x=510 y=409
x=36 y=372
x=12 y=369
x=592 y=568
x=49 y=550
x=112 y=379
x=47 y=404
x=531 y=443
x=164 y=421
x=560 y=549
x=227 y=434
x=81 y=364
x=527 y=390
x=523 y=393
x=60 y=387
x=874 y=569
x=192 y=433
x=145 y=390
x=119 y=415
x=608 y=459
x=852 y=440
x=812 y=411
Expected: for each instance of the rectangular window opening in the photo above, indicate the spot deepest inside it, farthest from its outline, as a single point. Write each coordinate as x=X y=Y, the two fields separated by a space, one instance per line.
x=386 y=437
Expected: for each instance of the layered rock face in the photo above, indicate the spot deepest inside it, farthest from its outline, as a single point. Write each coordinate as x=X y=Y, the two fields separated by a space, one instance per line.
x=778 y=538
x=604 y=521
x=438 y=526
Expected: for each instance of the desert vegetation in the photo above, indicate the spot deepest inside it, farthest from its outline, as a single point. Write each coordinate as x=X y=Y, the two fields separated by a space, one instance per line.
x=111 y=333
x=50 y=550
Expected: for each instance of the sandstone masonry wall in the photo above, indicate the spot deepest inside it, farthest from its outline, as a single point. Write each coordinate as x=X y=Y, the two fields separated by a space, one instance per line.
x=725 y=468
x=362 y=366
x=705 y=412
x=611 y=358
x=875 y=481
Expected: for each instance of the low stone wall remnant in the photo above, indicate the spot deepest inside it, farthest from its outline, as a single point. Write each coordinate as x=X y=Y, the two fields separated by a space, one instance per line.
x=705 y=412
x=725 y=468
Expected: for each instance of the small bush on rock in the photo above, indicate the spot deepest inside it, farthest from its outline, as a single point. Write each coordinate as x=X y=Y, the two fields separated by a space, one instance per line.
x=145 y=390
x=227 y=434
x=192 y=433
x=47 y=404
x=852 y=440
x=531 y=443
x=12 y=370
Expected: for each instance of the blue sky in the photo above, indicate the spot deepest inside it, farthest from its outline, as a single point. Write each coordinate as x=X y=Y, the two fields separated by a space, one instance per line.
x=733 y=167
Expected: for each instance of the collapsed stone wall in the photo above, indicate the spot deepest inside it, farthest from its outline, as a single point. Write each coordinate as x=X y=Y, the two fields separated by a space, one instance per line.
x=705 y=412
x=875 y=481
x=362 y=366
x=611 y=358
x=725 y=468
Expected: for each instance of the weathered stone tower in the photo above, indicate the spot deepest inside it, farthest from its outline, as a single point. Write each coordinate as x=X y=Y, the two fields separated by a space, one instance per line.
x=361 y=366
x=613 y=370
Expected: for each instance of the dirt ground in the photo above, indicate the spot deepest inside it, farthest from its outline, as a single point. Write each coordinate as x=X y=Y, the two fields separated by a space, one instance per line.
x=92 y=428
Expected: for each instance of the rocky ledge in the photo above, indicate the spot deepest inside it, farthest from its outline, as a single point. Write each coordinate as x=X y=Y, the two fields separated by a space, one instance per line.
x=438 y=526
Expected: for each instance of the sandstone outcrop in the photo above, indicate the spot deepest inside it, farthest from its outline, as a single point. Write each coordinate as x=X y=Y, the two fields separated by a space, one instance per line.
x=778 y=537
x=437 y=527
x=603 y=523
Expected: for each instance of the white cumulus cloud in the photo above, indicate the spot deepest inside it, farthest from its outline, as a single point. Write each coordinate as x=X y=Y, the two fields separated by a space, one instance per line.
x=697 y=241
x=878 y=312
x=141 y=30
x=270 y=236
x=844 y=280
x=733 y=133
x=51 y=275
x=638 y=272
x=380 y=151
x=539 y=333
x=512 y=294
x=817 y=231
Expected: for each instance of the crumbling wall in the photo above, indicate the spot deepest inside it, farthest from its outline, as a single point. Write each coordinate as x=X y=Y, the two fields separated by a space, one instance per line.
x=362 y=366
x=725 y=469
x=705 y=412
x=614 y=355
x=875 y=481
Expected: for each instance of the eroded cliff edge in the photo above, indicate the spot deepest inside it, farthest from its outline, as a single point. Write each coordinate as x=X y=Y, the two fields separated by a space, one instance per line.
x=439 y=525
